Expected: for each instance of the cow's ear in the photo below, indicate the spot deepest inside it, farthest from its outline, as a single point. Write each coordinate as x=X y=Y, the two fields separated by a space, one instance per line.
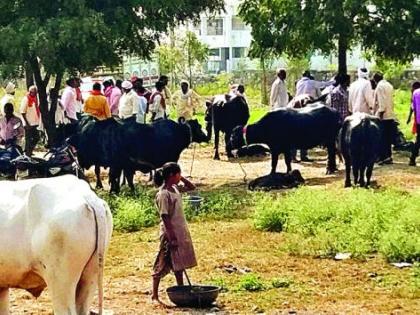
x=181 y=120
x=208 y=104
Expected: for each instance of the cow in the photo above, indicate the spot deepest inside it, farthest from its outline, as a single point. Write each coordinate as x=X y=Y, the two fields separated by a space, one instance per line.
x=359 y=143
x=53 y=233
x=129 y=146
x=285 y=128
x=223 y=114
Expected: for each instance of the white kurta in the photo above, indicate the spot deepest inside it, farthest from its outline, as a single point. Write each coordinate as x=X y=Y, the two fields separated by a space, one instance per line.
x=384 y=100
x=361 y=96
x=279 y=97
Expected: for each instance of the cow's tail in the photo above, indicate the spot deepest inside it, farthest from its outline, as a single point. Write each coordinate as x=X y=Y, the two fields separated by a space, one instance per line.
x=100 y=210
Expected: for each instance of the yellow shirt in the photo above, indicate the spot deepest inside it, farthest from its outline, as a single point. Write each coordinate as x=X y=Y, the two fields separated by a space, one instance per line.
x=97 y=106
x=185 y=104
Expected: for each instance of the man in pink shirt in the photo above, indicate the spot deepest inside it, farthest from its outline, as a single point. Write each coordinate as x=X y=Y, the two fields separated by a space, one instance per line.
x=11 y=127
x=69 y=100
x=415 y=108
x=113 y=95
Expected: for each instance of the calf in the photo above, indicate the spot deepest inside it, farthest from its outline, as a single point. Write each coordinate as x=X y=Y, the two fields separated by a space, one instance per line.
x=53 y=232
x=223 y=114
x=286 y=128
x=360 y=143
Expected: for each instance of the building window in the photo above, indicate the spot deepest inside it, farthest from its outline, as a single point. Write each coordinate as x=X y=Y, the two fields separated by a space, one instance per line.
x=215 y=27
x=238 y=24
x=214 y=52
x=238 y=52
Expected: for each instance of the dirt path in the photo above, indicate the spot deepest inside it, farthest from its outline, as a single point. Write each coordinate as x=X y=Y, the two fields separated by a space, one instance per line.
x=316 y=286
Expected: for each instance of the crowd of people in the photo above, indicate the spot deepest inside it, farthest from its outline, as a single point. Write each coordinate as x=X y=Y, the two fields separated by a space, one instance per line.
x=371 y=96
x=126 y=100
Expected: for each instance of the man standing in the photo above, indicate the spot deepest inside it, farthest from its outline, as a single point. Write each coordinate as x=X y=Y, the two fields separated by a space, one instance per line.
x=69 y=100
x=128 y=106
x=338 y=98
x=307 y=85
x=11 y=127
x=361 y=93
x=96 y=104
x=8 y=98
x=157 y=102
x=186 y=101
x=166 y=92
x=279 y=97
x=113 y=95
x=31 y=115
x=384 y=109
x=415 y=108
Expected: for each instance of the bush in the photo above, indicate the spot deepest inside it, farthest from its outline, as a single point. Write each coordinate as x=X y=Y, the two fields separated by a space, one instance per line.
x=360 y=221
x=281 y=283
x=251 y=282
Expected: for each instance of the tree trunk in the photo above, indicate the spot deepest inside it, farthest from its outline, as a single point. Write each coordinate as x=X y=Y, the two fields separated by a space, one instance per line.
x=47 y=113
x=342 y=54
x=29 y=76
x=264 y=96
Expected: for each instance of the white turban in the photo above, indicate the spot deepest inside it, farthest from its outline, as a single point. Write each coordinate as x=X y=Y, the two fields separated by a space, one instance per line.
x=363 y=74
x=10 y=88
x=127 y=85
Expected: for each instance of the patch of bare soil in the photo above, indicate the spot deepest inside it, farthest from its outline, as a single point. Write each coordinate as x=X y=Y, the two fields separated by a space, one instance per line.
x=317 y=286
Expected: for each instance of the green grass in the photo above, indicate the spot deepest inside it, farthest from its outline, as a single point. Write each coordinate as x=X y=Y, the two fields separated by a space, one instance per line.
x=402 y=101
x=133 y=212
x=325 y=222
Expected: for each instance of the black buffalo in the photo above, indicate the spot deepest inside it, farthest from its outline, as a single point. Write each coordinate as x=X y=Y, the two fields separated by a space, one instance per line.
x=285 y=129
x=360 y=143
x=223 y=114
x=129 y=146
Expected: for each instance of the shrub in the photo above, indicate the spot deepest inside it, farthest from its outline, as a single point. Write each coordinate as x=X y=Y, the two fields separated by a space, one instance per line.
x=281 y=282
x=251 y=282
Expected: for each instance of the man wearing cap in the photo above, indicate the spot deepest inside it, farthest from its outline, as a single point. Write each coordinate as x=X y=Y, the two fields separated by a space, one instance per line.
x=128 y=106
x=8 y=98
x=186 y=101
x=29 y=108
x=361 y=93
x=279 y=97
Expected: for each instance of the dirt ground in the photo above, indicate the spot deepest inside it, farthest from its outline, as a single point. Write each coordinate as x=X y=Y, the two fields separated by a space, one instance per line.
x=318 y=286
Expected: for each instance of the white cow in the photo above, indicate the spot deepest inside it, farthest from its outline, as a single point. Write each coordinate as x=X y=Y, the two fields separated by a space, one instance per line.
x=53 y=232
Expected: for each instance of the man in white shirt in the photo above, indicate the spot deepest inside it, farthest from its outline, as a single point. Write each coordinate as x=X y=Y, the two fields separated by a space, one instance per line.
x=307 y=85
x=129 y=101
x=31 y=116
x=69 y=100
x=9 y=97
x=384 y=109
x=157 y=102
x=279 y=97
x=361 y=93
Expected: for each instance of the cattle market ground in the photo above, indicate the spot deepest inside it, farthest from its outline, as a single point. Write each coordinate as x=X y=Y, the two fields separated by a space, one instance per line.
x=258 y=271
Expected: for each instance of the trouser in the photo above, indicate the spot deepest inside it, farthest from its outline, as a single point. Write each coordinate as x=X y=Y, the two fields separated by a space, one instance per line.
x=388 y=127
x=416 y=147
x=303 y=154
x=31 y=139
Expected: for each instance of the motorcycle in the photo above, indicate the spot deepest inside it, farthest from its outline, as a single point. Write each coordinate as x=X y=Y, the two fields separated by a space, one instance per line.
x=57 y=161
x=7 y=155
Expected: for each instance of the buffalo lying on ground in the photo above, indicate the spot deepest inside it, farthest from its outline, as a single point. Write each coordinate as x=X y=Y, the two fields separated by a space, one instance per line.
x=223 y=114
x=360 y=144
x=128 y=146
x=285 y=129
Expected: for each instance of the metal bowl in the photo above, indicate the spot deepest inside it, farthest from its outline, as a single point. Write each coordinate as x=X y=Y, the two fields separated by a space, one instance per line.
x=194 y=201
x=199 y=296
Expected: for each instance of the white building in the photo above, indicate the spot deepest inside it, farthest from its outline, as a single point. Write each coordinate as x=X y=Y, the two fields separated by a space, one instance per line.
x=227 y=36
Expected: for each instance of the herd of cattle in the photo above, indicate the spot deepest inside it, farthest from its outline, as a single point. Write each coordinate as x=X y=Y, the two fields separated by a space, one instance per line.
x=46 y=223
x=126 y=146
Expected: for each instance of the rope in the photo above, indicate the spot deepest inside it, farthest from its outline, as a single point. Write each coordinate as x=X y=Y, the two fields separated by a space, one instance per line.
x=193 y=159
x=243 y=171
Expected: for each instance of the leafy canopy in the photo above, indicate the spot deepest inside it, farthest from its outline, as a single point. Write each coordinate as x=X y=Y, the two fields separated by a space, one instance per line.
x=390 y=28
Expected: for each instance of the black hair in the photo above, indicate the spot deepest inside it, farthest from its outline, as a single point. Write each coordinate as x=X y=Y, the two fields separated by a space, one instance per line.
x=307 y=74
x=70 y=81
x=107 y=83
x=96 y=86
x=8 y=105
x=118 y=83
x=415 y=86
x=378 y=76
x=167 y=170
x=342 y=78
x=163 y=77
x=241 y=88
x=159 y=85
